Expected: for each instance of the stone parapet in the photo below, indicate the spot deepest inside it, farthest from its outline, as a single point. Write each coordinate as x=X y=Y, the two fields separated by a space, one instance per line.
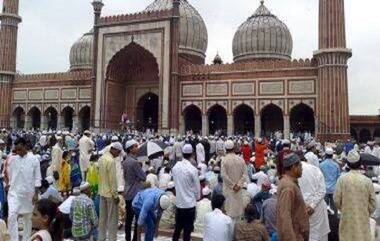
x=190 y=69
x=62 y=76
x=135 y=17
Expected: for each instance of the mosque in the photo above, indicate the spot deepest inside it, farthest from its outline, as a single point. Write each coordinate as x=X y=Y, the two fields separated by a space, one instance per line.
x=150 y=68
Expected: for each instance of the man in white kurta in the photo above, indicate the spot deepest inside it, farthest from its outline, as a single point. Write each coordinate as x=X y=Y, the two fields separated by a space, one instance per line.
x=56 y=157
x=24 y=182
x=177 y=149
x=203 y=207
x=313 y=190
x=310 y=155
x=86 y=146
x=200 y=151
x=234 y=174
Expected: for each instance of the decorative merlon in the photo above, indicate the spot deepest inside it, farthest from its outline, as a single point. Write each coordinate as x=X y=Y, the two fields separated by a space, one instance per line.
x=135 y=17
x=75 y=75
x=248 y=66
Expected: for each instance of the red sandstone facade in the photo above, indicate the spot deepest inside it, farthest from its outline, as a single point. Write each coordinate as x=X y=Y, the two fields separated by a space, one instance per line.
x=139 y=66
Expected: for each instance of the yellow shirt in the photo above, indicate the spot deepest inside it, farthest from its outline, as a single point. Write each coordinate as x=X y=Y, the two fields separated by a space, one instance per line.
x=107 y=176
x=64 y=184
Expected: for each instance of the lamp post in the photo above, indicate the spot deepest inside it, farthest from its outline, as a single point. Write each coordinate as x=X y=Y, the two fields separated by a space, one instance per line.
x=97 y=5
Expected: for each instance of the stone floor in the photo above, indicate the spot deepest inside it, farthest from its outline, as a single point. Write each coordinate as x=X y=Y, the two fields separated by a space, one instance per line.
x=165 y=237
x=120 y=237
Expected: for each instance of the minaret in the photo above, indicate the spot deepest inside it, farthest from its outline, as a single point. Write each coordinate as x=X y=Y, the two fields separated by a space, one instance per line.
x=8 y=47
x=333 y=121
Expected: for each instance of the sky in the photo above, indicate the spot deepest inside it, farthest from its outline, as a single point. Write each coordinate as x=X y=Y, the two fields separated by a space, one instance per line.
x=50 y=27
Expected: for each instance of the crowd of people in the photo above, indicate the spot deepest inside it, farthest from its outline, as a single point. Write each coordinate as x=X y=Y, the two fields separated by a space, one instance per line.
x=57 y=185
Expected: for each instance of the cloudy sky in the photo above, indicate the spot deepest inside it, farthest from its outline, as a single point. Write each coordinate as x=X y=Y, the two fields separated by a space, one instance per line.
x=50 y=27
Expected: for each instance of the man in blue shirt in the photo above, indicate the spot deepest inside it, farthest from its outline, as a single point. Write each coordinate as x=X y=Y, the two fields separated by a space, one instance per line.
x=148 y=206
x=331 y=172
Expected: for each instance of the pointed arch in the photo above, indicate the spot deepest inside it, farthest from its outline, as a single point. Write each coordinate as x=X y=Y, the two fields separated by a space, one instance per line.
x=272 y=119
x=147 y=112
x=84 y=118
x=244 y=119
x=18 y=117
x=128 y=68
x=67 y=114
x=364 y=135
x=51 y=115
x=217 y=119
x=34 y=114
x=192 y=115
x=302 y=119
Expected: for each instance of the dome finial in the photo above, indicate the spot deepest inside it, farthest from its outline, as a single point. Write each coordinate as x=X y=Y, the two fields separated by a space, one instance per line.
x=262 y=2
x=217 y=59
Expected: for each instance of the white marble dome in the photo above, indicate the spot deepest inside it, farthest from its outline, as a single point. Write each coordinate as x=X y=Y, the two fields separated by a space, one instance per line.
x=193 y=31
x=262 y=36
x=81 y=53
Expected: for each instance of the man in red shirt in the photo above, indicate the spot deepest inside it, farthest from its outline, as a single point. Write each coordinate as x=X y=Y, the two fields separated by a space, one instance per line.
x=246 y=151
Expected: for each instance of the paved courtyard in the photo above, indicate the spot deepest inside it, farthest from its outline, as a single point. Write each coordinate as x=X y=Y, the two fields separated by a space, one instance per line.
x=121 y=237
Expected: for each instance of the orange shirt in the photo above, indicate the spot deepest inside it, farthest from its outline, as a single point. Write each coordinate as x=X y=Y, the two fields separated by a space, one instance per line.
x=259 y=154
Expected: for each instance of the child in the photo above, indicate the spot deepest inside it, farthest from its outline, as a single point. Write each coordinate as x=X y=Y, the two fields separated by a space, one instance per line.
x=92 y=174
x=64 y=183
x=48 y=220
x=76 y=175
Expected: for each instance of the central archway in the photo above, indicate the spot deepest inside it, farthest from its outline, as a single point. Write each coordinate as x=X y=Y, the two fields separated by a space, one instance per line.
x=302 y=119
x=35 y=118
x=192 y=116
x=131 y=70
x=272 y=120
x=217 y=120
x=244 y=120
x=84 y=118
x=68 y=116
x=147 y=112
x=364 y=135
x=51 y=118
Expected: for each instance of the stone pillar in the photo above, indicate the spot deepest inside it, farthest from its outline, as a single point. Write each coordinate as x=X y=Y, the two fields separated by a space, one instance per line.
x=97 y=6
x=13 y=123
x=257 y=126
x=181 y=125
x=43 y=122
x=28 y=122
x=230 y=125
x=60 y=122
x=205 y=130
x=286 y=127
x=75 y=123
